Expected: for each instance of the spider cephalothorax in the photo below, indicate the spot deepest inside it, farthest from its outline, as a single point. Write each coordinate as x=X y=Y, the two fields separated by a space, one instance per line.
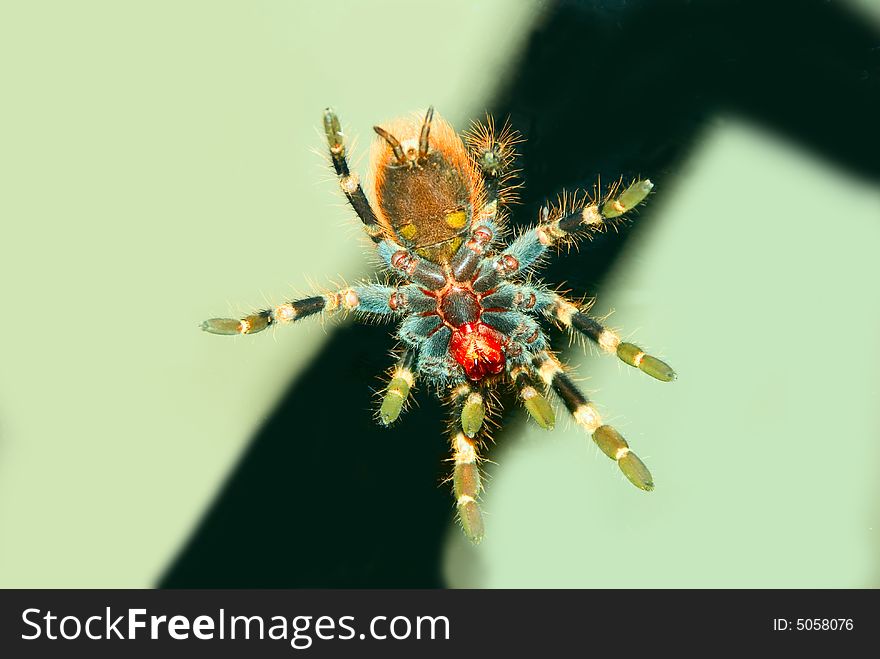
x=468 y=314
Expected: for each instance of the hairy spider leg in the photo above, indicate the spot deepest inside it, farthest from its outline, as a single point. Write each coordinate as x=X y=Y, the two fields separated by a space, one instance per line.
x=367 y=298
x=398 y=389
x=530 y=391
x=494 y=156
x=555 y=307
x=472 y=251
x=609 y=440
x=349 y=181
x=521 y=328
x=473 y=408
x=466 y=483
x=532 y=245
x=404 y=262
x=568 y=314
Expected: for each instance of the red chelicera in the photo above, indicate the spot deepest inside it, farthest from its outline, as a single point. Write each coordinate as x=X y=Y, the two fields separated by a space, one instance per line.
x=478 y=348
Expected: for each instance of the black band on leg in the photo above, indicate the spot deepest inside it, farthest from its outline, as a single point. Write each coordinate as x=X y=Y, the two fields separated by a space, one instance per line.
x=348 y=181
x=569 y=393
x=308 y=306
x=583 y=323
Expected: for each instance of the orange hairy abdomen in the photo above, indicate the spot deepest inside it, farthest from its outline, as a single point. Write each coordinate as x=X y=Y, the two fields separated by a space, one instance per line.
x=429 y=202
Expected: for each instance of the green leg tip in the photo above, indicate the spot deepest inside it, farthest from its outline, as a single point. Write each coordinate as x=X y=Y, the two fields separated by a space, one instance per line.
x=615 y=447
x=636 y=471
x=629 y=199
x=656 y=369
x=392 y=402
x=636 y=357
x=636 y=193
x=472 y=414
x=332 y=129
x=466 y=486
x=471 y=519
x=224 y=326
x=538 y=408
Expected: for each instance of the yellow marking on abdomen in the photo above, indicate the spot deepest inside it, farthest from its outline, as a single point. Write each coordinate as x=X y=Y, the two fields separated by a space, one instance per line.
x=456 y=219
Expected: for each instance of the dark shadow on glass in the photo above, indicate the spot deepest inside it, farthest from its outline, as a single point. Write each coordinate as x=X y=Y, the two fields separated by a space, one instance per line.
x=325 y=498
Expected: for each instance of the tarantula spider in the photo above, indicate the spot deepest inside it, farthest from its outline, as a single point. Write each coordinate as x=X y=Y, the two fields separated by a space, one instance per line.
x=467 y=314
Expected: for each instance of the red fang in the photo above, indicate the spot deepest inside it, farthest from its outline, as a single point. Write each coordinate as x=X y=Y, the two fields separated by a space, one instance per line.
x=478 y=348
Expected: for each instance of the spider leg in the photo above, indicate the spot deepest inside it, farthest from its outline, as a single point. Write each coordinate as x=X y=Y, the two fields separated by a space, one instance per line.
x=368 y=298
x=349 y=181
x=530 y=391
x=473 y=408
x=609 y=440
x=408 y=265
x=494 y=156
x=529 y=298
x=469 y=256
x=424 y=332
x=572 y=317
x=466 y=482
x=522 y=328
x=397 y=391
x=533 y=244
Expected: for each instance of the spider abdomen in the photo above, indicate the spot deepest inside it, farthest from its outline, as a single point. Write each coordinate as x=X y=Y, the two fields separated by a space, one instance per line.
x=426 y=185
x=427 y=203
